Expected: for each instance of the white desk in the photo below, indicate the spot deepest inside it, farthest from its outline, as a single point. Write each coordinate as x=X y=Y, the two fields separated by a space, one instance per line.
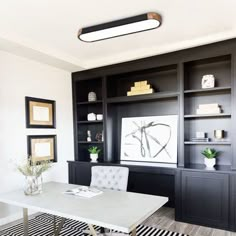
x=122 y=211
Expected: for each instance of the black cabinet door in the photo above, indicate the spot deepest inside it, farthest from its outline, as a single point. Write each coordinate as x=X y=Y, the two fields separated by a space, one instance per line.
x=139 y=181
x=233 y=202
x=80 y=174
x=155 y=184
x=205 y=198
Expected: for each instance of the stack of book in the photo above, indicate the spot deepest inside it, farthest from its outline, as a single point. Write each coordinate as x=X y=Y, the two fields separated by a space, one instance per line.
x=200 y=139
x=205 y=109
x=139 y=88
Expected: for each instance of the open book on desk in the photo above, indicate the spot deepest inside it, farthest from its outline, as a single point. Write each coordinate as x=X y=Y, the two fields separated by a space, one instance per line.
x=84 y=191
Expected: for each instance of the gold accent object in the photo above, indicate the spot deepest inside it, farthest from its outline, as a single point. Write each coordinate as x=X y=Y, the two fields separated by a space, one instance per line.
x=140 y=88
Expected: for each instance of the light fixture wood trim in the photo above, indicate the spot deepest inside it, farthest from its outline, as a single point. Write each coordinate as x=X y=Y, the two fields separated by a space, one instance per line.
x=154 y=16
x=79 y=33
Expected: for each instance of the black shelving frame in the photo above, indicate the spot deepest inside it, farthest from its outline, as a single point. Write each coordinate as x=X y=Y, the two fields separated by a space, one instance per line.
x=177 y=80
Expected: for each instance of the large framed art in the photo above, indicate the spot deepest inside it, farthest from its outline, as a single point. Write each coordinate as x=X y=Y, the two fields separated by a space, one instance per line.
x=40 y=113
x=149 y=139
x=42 y=147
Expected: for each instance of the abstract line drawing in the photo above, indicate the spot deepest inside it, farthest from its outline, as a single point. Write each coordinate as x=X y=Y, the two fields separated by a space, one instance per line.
x=151 y=139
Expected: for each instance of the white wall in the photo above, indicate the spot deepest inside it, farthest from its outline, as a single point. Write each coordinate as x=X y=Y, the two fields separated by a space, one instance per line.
x=20 y=77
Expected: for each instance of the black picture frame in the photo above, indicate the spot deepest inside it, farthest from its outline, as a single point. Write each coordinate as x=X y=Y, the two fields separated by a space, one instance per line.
x=32 y=140
x=50 y=105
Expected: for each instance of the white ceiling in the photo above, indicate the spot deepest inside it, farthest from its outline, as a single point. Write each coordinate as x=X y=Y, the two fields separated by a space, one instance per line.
x=46 y=30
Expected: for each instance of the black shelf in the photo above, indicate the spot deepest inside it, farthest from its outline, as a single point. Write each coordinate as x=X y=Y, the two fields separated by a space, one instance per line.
x=217 y=89
x=224 y=168
x=92 y=142
x=89 y=103
x=90 y=122
x=207 y=143
x=222 y=115
x=146 y=97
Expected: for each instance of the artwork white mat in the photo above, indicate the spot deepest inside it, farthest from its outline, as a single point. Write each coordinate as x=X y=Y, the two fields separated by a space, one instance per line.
x=149 y=139
x=41 y=113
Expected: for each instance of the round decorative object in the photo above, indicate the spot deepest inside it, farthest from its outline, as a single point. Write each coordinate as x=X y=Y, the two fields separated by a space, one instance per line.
x=91 y=117
x=98 y=137
x=92 y=97
x=210 y=162
x=208 y=81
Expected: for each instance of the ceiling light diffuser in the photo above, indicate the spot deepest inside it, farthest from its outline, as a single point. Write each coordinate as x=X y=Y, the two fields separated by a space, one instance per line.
x=122 y=27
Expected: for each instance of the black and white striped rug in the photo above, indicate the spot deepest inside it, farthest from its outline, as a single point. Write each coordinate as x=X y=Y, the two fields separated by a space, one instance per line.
x=42 y=225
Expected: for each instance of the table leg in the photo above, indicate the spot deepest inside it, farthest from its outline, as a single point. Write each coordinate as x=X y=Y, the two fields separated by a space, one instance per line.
x=58 y=230
x=133 y=233
x=92 y=230
x=25 y=222
x=54 y=225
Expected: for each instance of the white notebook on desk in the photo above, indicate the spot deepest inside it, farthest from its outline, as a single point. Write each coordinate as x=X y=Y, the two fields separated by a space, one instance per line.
x=84 y=191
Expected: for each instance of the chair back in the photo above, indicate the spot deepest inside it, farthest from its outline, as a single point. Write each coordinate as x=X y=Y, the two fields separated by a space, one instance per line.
x=110 y=177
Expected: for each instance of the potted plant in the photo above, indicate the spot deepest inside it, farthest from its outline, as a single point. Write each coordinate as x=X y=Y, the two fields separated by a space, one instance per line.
x=210 y=156
x=32 y=170
x=94 y=151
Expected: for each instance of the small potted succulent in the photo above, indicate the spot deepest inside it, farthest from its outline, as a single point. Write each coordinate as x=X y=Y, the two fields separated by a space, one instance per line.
x=94 y=151
x=210 y=156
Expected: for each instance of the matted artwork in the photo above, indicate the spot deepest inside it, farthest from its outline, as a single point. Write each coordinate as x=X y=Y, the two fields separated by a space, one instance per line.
x=42 y=147
x=149 y=139
x=40 y=113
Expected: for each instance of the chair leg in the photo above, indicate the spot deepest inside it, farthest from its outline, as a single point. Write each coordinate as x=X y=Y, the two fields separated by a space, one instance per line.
x=102 y=230
x=92 y=230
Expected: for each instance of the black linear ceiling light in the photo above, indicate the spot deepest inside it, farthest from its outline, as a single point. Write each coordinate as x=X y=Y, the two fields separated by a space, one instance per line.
x=121 y=27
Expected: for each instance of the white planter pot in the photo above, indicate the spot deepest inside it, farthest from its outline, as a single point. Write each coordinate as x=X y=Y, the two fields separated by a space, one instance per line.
x=210 y=162
x=94 y=157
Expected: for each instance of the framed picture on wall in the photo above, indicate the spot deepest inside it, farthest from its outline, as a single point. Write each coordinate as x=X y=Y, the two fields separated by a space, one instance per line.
x=42 y=147
x=40 y=113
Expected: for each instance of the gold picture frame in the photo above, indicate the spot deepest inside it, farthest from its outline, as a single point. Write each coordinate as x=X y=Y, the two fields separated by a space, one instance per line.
x=42 y=147
x=40 y=113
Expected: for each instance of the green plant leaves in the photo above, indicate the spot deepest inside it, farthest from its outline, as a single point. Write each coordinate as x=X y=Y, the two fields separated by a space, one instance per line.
x=94 y=150
x=210 y=153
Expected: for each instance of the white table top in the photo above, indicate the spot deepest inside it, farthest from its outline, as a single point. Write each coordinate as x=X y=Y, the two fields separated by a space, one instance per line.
x=122 y=211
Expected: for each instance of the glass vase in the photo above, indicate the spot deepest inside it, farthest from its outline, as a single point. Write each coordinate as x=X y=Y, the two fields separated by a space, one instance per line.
x=33 y=185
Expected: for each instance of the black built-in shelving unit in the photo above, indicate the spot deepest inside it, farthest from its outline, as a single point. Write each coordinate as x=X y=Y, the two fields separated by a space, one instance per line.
x=176 y=78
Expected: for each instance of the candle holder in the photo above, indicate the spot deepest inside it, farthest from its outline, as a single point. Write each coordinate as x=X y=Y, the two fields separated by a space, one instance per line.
x=219 y=134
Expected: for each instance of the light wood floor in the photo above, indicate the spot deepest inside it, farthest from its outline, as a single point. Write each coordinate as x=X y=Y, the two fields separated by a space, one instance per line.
x=164 y=219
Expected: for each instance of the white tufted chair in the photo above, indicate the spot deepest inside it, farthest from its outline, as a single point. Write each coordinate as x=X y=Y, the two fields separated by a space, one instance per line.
x=110 y=177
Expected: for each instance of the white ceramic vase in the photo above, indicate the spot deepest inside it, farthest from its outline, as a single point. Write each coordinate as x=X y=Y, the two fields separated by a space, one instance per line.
x=92 y=97
x=94 y=157
x=210 y=162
